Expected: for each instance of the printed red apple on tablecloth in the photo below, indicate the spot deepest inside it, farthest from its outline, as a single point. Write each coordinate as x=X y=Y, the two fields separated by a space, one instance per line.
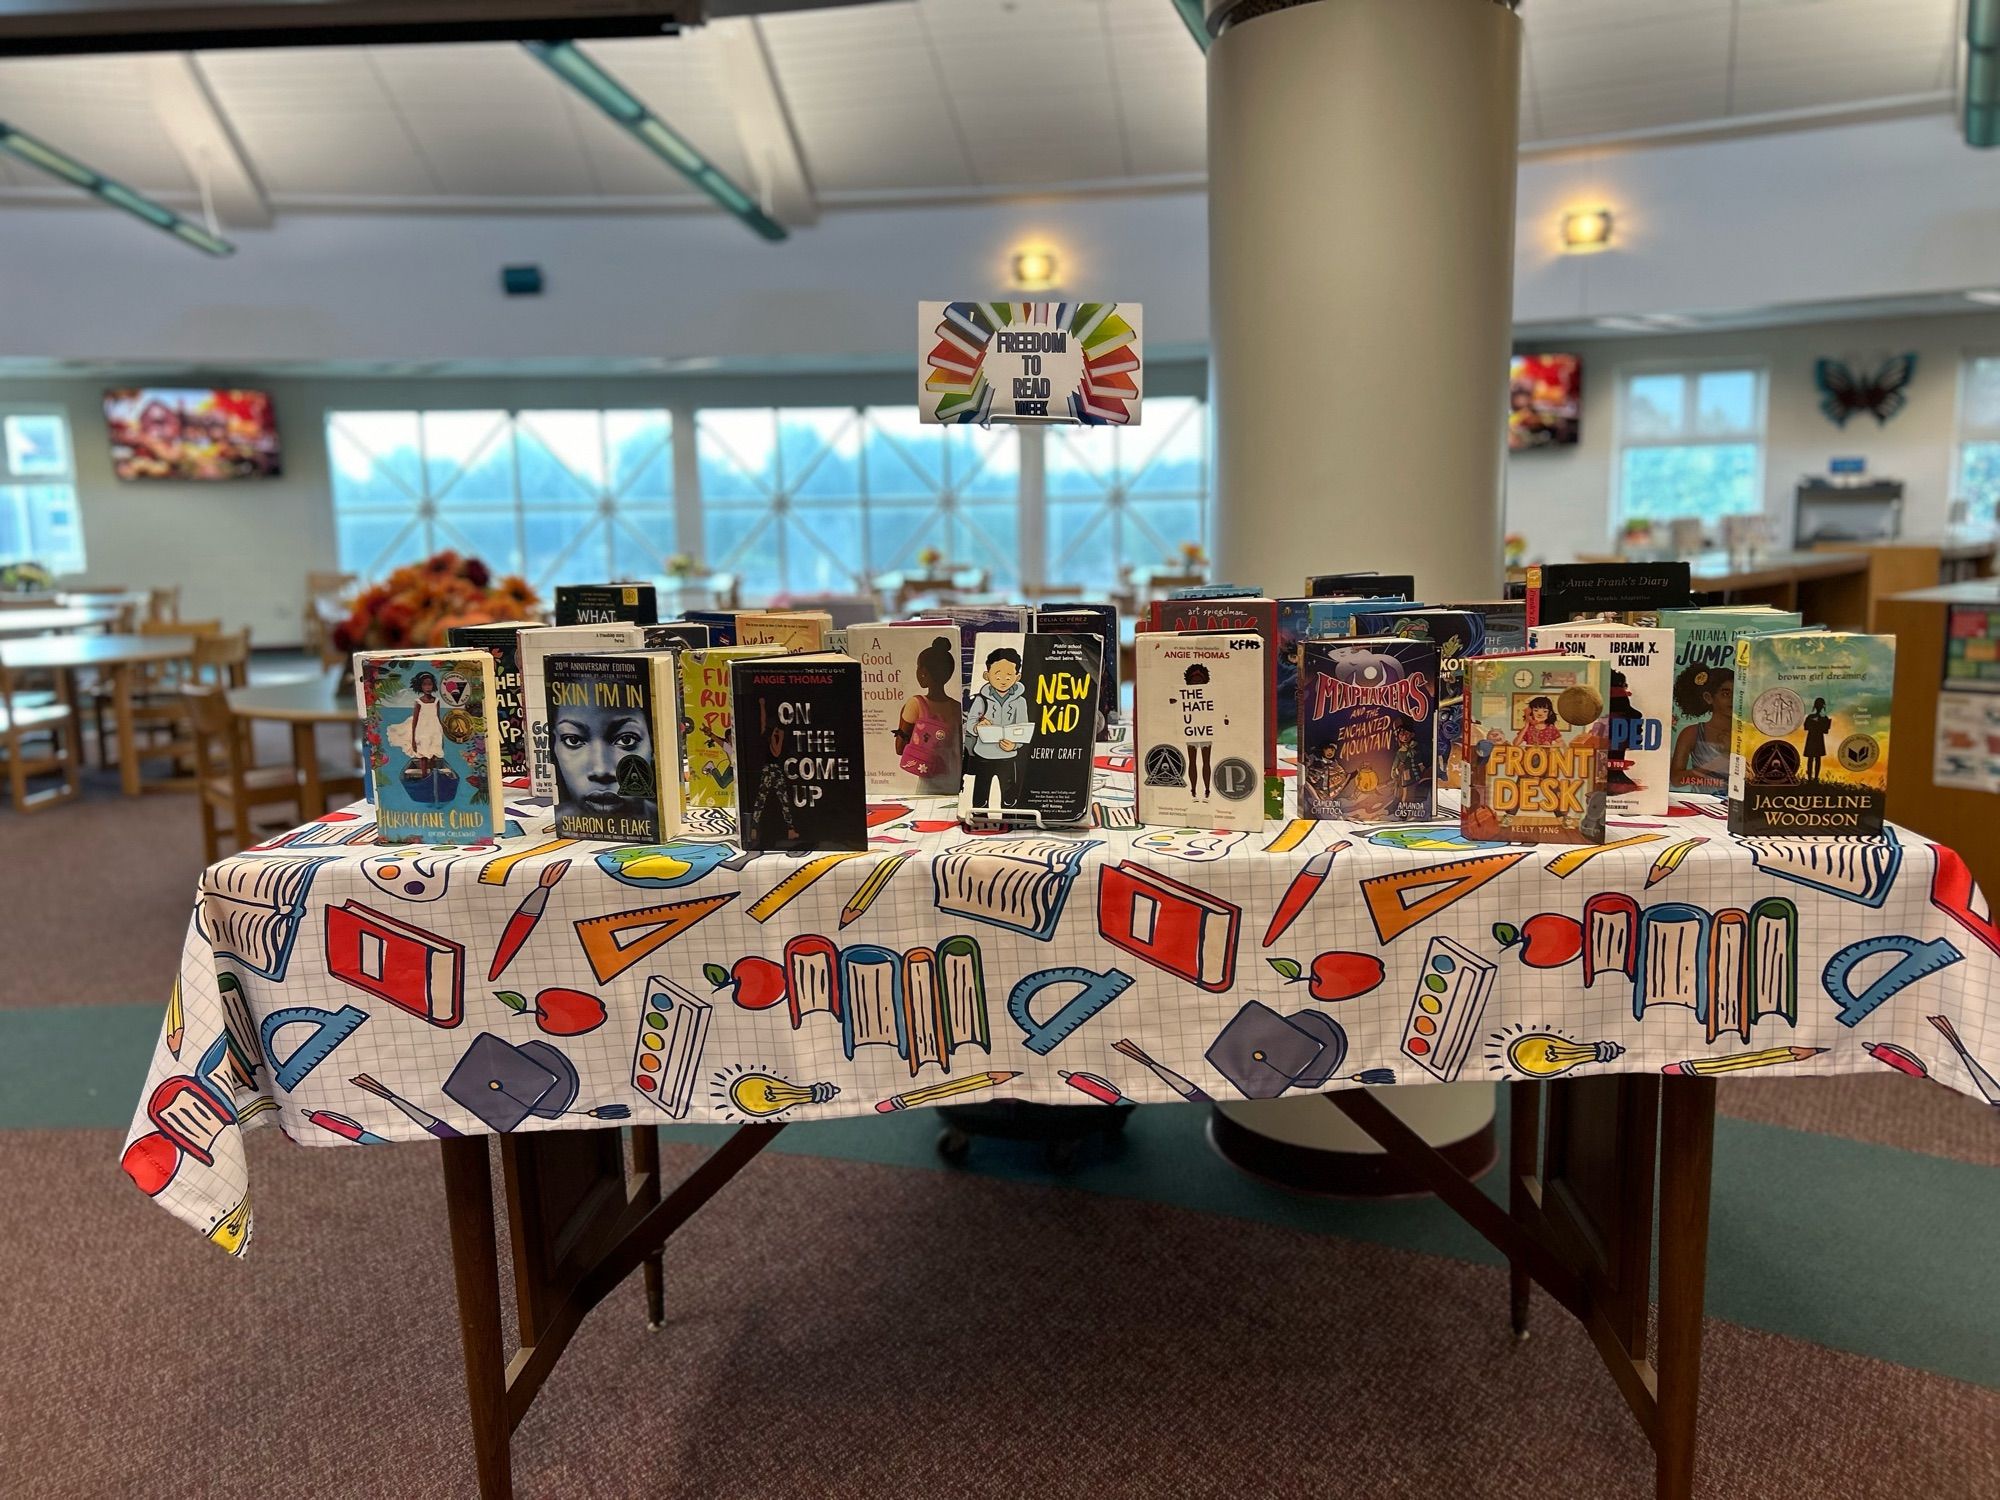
x=759 y=983
x=1547 y=940
x=559 y=1012
x=1338 y=975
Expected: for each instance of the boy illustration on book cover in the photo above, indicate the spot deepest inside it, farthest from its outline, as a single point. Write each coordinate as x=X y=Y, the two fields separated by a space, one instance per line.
x=997 y=727
x=931 y=724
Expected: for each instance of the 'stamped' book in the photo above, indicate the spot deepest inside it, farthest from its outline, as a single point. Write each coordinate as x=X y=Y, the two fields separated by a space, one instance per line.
x=800 y=783
x=607 y=604
x=1810 y=752
x=1635 y=726
x=1705 y=687
x=503 y=643
x=1198 y=728
x=615 y=740
x=1031 y=730
x=537 y=646
x=912 y=718
x=1630 y=593
x=708 y=723
x=1368 y=730
x=1534 y=751
x=432 y=744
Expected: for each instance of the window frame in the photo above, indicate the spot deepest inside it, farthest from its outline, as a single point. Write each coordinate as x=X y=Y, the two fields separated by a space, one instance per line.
x=66 y=480
x=1964 y=435
x=1689 y=371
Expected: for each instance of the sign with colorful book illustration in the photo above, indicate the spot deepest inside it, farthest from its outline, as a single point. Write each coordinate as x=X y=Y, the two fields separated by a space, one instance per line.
x=432 y=744
x=984 y=362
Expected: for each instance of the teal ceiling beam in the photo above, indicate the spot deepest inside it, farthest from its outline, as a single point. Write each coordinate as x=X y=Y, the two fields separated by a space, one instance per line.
x=39 y=154
x=1194 y=20
x=1982 y=73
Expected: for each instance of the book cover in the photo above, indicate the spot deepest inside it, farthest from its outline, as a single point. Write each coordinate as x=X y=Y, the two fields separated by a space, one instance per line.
x=1810 y=752
x=502 y=642
x=1302 y=620
x=1031 y=730
x=1458 y=634
x=1212 y=591
x=670 y=633
x=1100 y=620
x=1506 y=623
x=537 y=646
x=1535 y=770
x=787 y=629
x=1368 y=730
x=1198 y=716
x=912 y=719
x=1253 y=613
x=1636 y=747
x=432 y=745
x=614 y=736
x=800 y=783
x=974 y=621
x=607 y=604
x=1394 y=585
x=1185 y=931
x=708 y=723
x=1629 y=593
x=1705 y=688
x=719 y=623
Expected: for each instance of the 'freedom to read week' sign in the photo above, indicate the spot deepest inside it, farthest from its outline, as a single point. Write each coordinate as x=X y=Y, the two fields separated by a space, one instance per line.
x=1029 y=362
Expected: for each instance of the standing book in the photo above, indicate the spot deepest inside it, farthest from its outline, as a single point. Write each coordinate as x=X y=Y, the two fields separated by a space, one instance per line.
x=1198 y=717
x=787 y=629
x=1239 y=613
x=432 y=745
x=1100 y=620
x=1628 y=593
x=672 y=633
x=912 y=719
x=1458 y=634
x=1031 y=730
x=1368 y=730
x=708 y=723
x=800 y=783
x=719 y=623
x=1635 y=726
x=502 y=642
x=1336 y=585
x=537 y=646
x=1302 y=620
x=607 y=604
x=1810 y=753
x=1705 y=687
x=975 y=621
x=1535 y=762
x=614 y=736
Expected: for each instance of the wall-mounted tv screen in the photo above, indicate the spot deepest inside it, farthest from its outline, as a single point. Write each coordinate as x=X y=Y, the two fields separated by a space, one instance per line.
x=1544 y=396
x=159 y=433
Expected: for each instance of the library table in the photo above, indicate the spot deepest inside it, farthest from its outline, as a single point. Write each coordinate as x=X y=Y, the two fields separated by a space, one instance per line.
x=118 y=655
x=304 y=704
x=539 y=989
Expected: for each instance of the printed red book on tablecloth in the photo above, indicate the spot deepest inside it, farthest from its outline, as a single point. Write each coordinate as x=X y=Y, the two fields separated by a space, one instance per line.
x=420 y=971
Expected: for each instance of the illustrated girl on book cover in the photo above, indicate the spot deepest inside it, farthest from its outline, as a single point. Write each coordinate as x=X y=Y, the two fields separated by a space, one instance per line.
x=931 y=723
x=421 y=735
x=1701 y=749
x=1198 y=724
x=1538 y=726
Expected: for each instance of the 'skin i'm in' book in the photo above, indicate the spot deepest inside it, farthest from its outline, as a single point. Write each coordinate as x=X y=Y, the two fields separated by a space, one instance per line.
x=614 y=734
x=1198 y=728
x=432 y=745
x=1534 y=753
x=1810 y=754
x=537 y=646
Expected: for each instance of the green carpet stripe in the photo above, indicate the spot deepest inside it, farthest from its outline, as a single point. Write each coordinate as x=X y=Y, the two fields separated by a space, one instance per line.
x=1855 y=1246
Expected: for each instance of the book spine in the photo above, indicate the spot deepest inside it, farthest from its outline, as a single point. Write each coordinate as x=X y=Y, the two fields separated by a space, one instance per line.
x=1534 y=599
x=1739 y=735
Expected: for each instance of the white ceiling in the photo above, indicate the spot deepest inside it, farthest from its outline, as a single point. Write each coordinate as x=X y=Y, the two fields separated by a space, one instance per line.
x=915 y=100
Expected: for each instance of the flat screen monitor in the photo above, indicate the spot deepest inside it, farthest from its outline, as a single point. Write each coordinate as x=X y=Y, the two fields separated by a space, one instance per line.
x=198 y=434
x=1544 y=400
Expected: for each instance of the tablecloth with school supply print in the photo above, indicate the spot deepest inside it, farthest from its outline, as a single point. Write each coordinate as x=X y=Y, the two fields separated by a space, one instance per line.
x=352 y=993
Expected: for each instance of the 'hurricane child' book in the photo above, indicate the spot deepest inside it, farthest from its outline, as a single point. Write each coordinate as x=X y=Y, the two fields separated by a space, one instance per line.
x=537 y=646
x=1368 y=730
x=799 y=782
x=912 y=720
x=1198 y=728
x=432 y=744
x=1635 y=726
x=1534 y=749
x=1705 y=687
x=708 y=734
x=607 y=604
x=503 y=643
x=1031 y=730
x=1810 y=753
x=614 y=737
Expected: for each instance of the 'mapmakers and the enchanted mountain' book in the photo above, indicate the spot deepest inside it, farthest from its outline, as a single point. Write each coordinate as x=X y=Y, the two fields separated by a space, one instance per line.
x=1810 y=753
x=1368 y=730
x=432 y=745
x=1030 y=730
x=799 y=778
x=1534 y=749
x=614 y=738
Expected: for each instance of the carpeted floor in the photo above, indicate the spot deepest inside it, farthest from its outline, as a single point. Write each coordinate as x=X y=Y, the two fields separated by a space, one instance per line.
x=851 y=1320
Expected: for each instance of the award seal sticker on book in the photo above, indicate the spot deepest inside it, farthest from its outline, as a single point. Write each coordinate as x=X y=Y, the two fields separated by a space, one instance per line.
x=988 y=362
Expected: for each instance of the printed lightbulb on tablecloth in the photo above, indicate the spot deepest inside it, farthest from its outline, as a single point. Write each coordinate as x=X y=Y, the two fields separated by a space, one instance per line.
x=1542 y=1055
x=761 y=1094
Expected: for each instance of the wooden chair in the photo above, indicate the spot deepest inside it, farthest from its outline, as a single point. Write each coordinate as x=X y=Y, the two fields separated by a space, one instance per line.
x=164 y=604
x=156 y=705
x=324 y=592
x=222 y=659
x=226 y=781
x=37 y=739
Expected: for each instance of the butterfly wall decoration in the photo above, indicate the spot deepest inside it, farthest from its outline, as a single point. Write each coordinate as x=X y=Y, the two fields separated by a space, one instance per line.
x=1882 y=394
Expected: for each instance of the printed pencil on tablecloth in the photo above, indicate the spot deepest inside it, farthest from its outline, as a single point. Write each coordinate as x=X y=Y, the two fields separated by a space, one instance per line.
x=1629 y=593
x=1302 y=620
x=615 y=741
x=1368 y=730
x=607 y=604
x=1458 y=634
x=537 y=646
x=502 y=642
x=1197 y=728
x=787 y=629
x=432 y=744
x=912 y=717
x=800 y=782
x=1100 y=620
x=708 y=733
x=1535 y=762
x=1705 y=687
x=1030 y=730
x=1810 y=751
x=1640 y=658
x=1239 y=612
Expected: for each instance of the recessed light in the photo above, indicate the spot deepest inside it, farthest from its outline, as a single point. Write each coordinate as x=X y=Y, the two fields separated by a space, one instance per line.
x=1586 y=229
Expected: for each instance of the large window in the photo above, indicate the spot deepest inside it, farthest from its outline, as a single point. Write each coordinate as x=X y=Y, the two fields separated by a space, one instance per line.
x=1979 y=439
x=38 y=512
x=562 y=496
x=1122 y=498
x=1690 y=443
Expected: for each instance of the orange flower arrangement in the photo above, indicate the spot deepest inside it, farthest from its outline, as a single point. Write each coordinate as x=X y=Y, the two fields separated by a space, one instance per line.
x=417 y=604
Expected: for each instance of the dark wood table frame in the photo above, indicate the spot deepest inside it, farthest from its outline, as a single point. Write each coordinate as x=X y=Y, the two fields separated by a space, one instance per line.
x=1579 y=1221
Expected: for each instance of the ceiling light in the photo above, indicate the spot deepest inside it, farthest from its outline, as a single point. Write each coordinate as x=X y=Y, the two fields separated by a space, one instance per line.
x=623 y=108
x=1586 y=229
x=1985 y=298
x=37 y=153
x=1034 y=270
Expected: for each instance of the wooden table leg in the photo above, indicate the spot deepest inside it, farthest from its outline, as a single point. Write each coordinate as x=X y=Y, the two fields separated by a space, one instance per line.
x=468 y=1196
x=1524 y=1148
x=1687 y=1150
x=305 y=758
x=646 y=1162
x=128 y=737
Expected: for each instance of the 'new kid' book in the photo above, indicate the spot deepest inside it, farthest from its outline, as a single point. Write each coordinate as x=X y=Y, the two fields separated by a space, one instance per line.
x=432 y=744
x=1705 y=687
x=615 y=740
x=1810 y=752
x=1368 y=730
x=1635 y=727
x=1534 y=752
x=1198 y=728
x=1030 y=730
x=912 y=720
x=708 y=734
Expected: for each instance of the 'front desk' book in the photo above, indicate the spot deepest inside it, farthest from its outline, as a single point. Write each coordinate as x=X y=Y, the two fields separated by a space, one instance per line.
x=1534 y=751
x=432 y=744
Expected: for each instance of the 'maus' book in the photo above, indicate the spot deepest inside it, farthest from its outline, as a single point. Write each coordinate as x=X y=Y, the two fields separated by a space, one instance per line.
x=607 y=604
x=537 y=646
x=503 y=643
x=1198 y=728
x=614 y=734
x=911 y=716
x=1705 y=687
x=432 y=745
x=1810 y=752
x=1635 y=727
x=1534 y=752
x=1031 y=730
x=1368 y=730
x=799 y=782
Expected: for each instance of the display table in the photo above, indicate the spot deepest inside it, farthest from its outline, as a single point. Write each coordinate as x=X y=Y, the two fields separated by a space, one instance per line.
x=535 y=988
x=118 y=655
x=303 y=704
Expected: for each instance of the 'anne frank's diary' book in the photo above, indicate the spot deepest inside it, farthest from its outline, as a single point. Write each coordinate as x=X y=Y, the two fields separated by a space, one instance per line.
x=537 y=646
x=503 y=643
x=606 y=604
x=1635 y=729
x=800 y=783
x=911 y=715
x=1368 y=730
x=614 y=736
x=1810 y=752
x=432 y=745
x=1198 y=728
x=1031 y=730
x=1534 y=749
x=1629 y=593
